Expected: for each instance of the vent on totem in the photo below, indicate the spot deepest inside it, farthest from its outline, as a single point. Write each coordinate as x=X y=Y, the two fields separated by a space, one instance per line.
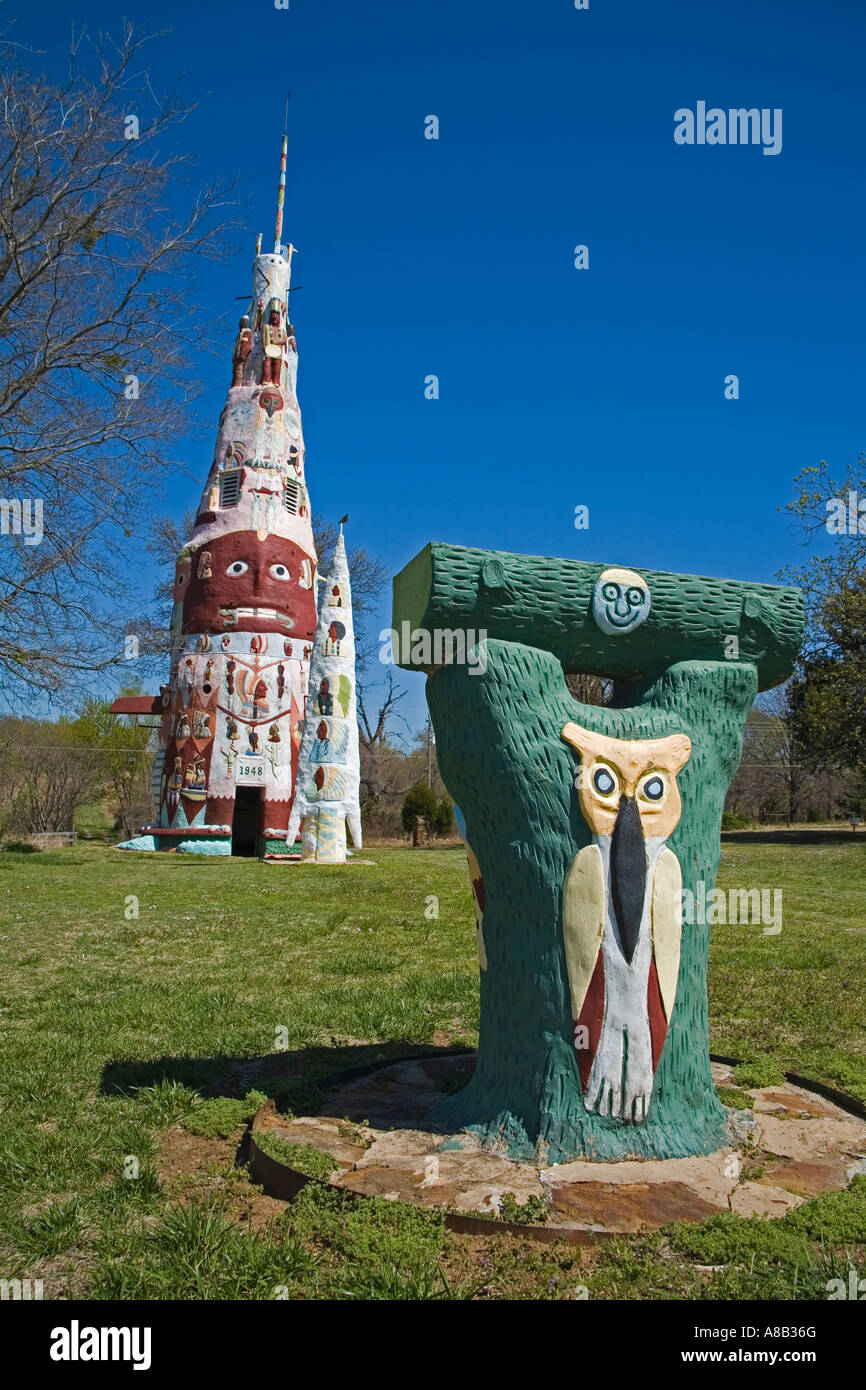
x=291 y=493
x=230 y=488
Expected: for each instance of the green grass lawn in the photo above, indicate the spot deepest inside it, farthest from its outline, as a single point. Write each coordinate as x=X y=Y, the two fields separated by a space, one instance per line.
x=136 y=984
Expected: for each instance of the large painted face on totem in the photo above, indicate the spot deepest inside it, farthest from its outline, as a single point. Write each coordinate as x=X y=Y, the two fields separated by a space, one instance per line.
x=239 y=583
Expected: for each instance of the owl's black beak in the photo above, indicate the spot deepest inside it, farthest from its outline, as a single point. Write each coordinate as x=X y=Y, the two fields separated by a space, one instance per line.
x=628 y=874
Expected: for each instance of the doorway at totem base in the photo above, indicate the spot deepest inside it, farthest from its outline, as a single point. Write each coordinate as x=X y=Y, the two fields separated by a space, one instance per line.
x=245 y=822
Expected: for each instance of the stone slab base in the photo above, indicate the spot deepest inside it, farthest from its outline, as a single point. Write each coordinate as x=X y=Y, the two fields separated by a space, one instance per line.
x=789 y=1146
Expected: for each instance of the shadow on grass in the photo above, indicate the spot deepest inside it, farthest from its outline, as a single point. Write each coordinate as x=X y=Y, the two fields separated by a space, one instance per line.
x=784 y=836
x=234 y=1076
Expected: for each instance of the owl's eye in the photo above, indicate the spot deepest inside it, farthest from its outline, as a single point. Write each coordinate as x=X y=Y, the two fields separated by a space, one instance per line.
x=237 y=567
x=604 y=781
x=280 y=571
x=653 y=789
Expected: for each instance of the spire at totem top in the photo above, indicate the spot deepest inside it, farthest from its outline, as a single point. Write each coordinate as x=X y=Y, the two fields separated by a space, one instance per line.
x=281 y=187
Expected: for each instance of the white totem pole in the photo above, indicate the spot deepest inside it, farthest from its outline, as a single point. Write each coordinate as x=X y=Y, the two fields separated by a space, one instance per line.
x=327 y=786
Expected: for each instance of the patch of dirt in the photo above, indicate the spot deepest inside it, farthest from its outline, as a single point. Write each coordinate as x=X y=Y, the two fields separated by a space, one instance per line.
x=65 y=1276
x=213 y=1166
x=182 y=1152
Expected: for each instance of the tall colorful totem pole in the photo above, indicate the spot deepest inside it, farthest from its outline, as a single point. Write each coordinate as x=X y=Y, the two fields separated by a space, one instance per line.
x=244 y=616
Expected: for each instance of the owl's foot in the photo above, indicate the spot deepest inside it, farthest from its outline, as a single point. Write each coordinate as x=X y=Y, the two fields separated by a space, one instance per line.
x=610 y=1093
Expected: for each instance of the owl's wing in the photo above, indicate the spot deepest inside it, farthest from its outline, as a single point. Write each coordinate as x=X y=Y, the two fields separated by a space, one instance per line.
x=583 y=902
x=667 y=925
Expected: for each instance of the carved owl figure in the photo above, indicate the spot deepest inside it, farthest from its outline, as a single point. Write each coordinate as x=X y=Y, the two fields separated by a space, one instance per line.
x=622 y=916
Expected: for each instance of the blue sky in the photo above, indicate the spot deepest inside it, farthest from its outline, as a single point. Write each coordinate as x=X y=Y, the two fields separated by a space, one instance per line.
x=454 y=257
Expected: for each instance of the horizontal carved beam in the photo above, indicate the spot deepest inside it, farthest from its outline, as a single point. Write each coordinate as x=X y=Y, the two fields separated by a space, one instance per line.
x=560 y=606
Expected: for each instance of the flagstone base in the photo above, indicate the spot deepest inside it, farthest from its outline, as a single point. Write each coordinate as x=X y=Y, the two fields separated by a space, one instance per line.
x=792 y=1145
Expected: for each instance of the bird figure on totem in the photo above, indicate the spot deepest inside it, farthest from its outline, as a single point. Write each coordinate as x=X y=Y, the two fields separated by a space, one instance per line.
x=622 y=916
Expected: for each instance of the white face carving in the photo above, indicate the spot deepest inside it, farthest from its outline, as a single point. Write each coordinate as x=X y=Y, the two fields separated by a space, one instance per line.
x=621 y=601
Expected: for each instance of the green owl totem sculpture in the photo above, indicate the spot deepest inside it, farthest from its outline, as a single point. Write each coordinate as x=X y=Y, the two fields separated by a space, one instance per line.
x=584 y=824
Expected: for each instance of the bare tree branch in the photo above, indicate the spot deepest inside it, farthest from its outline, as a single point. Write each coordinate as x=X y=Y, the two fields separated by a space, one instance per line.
x=99 y=243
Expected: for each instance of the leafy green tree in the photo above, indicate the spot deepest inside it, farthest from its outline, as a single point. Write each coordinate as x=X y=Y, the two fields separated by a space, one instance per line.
x=420 y=800
x=442 y=820
x=124 y=752
x=828 y=694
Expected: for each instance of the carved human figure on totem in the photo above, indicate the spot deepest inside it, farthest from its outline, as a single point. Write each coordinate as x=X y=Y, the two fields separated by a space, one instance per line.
x=321 y=744
x=274 y=339
x=336 y=633
x=194 y=778
x=260 y=700
x=324 y=699
x=291 y=340
x=243 y=345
